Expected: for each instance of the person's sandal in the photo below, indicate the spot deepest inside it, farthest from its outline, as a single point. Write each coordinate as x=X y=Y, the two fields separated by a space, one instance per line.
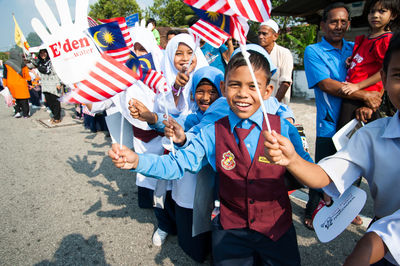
x=357 y=220
x=53 y=121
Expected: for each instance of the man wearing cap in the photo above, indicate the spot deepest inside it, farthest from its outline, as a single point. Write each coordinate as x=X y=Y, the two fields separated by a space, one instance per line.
x=280 y=56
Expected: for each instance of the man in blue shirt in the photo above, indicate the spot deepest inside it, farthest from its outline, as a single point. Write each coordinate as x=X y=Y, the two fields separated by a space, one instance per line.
x=325 y=66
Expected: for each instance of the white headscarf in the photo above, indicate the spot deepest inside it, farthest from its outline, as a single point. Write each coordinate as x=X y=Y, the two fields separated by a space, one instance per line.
x=185 y=105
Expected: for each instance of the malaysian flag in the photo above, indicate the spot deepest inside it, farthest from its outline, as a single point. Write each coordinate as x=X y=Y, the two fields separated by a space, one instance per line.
x=107 y=78
x=240 y=29
x=108 y=37
x=92 y=22
x=234 y=25
x=256 y=10
x=124 y=29
x=153 y=79
x=210 y=33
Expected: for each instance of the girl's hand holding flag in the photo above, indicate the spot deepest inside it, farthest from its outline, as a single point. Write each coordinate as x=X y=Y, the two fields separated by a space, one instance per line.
x=175 y=131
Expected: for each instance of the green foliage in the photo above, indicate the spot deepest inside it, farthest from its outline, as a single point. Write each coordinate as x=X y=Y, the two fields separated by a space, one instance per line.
x=169 y=13
x=297 y=38
x=33 y=39
x=105 y=9
x=3 y=56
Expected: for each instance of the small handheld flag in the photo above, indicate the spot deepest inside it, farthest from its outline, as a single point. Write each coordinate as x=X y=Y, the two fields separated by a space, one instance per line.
x=108 y=37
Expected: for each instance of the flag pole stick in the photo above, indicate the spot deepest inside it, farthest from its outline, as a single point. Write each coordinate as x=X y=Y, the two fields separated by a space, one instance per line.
x=190 y=61
x=167 y=114
x=246 y=56
x=121 y=133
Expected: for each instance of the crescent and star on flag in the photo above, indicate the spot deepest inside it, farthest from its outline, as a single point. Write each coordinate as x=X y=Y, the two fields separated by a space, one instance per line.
x=106 y=36
x=214 y=16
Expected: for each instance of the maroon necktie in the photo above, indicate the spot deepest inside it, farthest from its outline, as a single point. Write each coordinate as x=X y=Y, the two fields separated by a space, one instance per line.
x=242 y=133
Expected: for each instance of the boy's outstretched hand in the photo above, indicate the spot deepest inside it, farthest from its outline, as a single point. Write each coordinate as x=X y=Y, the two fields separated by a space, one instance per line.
x=139 y=111
x=174 y=130
x=278 y=149
x=123 y=157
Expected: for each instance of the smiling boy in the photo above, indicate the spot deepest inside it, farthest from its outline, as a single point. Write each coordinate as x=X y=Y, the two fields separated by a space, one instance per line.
x=256 y=218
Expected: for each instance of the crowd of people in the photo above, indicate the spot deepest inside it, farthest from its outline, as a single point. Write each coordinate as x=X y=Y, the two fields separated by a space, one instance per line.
x=220 y=186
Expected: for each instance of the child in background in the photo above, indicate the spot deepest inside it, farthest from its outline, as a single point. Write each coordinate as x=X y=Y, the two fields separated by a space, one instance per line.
x=367 y=154
x=178 y=74
x=15 y=78
x=255 y=221
x=367 y=58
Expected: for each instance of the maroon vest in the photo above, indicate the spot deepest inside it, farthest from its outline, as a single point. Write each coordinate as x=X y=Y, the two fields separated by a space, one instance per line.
x=252 y=196
x=146 y=135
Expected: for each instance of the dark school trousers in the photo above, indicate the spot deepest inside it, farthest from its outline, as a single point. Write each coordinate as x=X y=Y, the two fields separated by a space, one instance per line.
x=246 y=247
x=22 y=106
x=197 y=247
x=54 y=104
x=324 y=147
x=166 y=217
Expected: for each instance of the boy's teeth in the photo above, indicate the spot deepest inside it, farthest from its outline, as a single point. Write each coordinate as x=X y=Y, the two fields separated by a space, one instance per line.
x=243 y=104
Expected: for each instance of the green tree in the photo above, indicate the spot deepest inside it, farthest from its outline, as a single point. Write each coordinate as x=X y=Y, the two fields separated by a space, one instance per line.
x=170 y=13
x=33 y=39
x=299 y=38
x=105 y=9
x=3 y=56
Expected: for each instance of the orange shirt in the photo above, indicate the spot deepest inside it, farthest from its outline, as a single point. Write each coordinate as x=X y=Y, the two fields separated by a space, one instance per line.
x=17 y=85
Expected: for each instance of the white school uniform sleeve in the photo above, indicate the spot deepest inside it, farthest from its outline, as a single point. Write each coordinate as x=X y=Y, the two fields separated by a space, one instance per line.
x=347 y=165
x=388 y=228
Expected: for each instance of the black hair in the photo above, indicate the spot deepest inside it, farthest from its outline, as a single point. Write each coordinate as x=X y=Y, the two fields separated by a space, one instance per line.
x=394 y=46
x=334 y=6
x=206 y=81
x=393 y=6
x=257 y=60
x=152 y=21
x=173 y=32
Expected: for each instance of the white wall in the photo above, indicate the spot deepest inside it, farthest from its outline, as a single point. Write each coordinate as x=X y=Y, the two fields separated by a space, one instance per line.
x=300 y=86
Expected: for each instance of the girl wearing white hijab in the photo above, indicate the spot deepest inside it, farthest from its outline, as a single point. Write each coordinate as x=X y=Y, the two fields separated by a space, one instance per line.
x=178 y=100
x=178 y=74
x=146 y=139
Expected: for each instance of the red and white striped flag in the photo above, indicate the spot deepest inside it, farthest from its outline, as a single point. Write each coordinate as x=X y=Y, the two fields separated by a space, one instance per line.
x=124 y=29
x=86 y=111
x=256 y=10
x=240 y=29
x=210 y=33
x=154 y=80
x=107 y=78
x=219 y=6
x=92 y=22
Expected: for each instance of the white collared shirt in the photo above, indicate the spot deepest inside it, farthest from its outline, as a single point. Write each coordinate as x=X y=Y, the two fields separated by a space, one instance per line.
x=374 y=153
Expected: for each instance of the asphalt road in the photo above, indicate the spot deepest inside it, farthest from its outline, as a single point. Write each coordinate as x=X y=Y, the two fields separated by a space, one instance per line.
x=64 y=203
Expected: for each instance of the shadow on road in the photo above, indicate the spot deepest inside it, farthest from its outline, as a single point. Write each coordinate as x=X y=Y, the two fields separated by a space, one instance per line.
x=74 y=249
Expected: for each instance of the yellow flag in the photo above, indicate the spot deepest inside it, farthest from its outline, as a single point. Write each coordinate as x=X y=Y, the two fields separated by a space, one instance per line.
x=20 y=38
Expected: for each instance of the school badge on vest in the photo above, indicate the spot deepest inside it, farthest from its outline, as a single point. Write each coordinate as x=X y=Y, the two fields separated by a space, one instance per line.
x=228 y=160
